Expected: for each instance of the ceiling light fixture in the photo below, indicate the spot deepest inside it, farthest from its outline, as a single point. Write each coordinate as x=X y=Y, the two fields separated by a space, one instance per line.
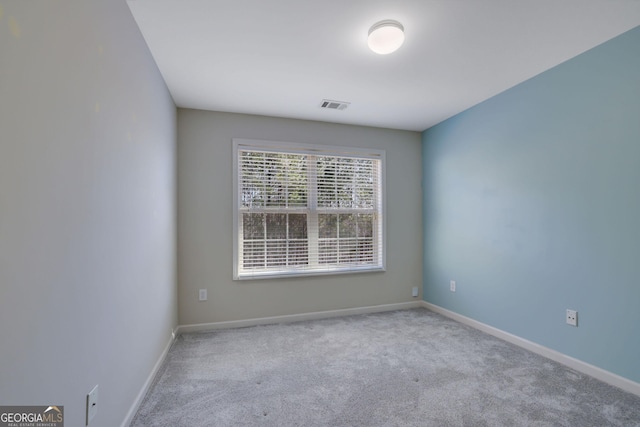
x=386 y=36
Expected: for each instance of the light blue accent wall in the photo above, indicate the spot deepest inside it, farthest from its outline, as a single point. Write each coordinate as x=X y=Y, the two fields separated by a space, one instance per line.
x=532 y=204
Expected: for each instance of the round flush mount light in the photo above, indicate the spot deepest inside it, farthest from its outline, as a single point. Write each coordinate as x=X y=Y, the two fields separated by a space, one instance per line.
x=386 y=36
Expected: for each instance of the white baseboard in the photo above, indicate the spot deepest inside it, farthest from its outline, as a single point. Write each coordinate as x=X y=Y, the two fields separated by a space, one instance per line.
x=147 y=383
x=580 y=366
x=296 y=317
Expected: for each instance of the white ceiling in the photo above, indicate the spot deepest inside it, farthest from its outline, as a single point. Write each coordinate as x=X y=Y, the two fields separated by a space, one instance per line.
x=282 y=57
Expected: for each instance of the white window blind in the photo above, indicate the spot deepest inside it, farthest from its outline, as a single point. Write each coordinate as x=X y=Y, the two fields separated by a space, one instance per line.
x=301 y=209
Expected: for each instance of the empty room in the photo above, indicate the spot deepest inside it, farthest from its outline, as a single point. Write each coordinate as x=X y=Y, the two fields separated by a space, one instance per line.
x=297 y=213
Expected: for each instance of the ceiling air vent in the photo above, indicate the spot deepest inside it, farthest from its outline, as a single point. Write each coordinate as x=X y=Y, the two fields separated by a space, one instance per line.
x=333 y=105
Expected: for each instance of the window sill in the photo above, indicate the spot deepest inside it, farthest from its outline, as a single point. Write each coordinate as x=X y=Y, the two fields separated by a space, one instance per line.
x=305 y=273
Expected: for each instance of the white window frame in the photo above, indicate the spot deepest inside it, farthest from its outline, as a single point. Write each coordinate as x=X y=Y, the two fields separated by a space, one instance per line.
x=241 y=144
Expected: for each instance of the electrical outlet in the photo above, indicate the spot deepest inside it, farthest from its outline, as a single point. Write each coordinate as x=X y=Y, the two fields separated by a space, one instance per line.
x=572 y=317
x=452 y=285
x=202 y=296
x=414 y=291
x=92 y=404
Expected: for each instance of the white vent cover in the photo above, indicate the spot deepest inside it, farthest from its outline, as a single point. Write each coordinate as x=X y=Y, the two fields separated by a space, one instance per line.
x=333 y=105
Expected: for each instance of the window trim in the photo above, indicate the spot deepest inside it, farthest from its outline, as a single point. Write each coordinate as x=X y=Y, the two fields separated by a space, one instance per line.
x=308 y=149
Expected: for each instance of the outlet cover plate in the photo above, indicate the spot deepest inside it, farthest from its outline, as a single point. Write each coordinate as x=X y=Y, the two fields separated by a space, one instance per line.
x=452 y=285
x=572 y=317
x=92 y=404
x=202 y=295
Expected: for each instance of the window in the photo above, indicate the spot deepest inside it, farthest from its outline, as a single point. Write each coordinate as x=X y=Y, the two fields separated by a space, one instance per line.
x=306 y=209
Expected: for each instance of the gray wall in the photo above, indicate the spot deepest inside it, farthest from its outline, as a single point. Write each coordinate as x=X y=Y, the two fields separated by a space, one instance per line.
x=87 y=207
x=205 y=221
x=532 y=203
